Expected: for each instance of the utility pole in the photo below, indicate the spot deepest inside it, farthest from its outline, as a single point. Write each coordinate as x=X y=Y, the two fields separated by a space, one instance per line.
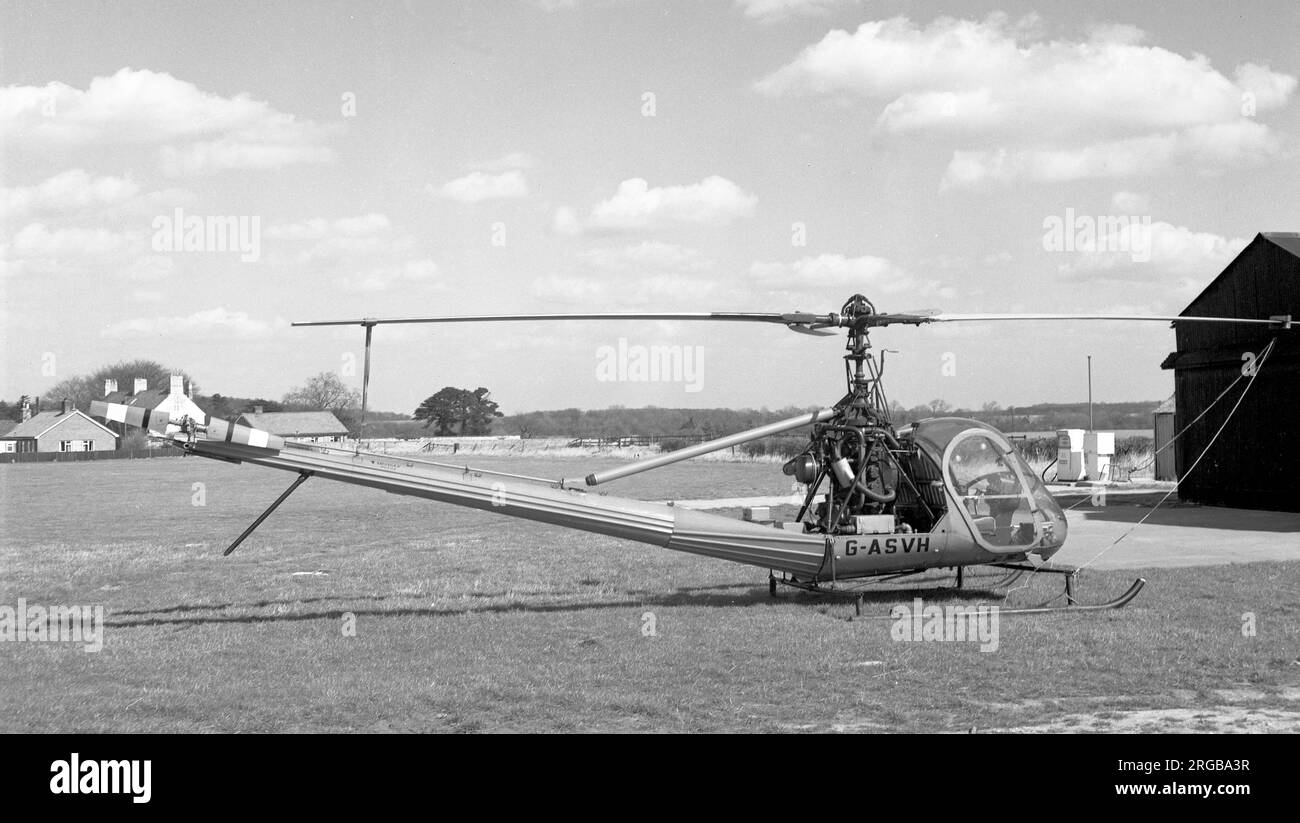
x=1090 y=393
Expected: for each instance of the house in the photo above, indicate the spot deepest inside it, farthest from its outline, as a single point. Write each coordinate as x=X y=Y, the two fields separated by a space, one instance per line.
x=1252 y=462
x=304 y=426
x=65 y=430
x=175 y=401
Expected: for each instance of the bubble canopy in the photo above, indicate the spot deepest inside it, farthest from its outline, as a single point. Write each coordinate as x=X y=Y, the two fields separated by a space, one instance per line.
x=1001 y=499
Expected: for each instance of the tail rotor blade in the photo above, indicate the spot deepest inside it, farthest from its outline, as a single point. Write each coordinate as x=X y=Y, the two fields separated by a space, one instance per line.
x=1278 y=321
x=156 y=421
x=139 y=417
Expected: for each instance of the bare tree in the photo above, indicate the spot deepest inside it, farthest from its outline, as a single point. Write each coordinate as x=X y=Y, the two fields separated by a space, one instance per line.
x=84 y=388
x=324 y=392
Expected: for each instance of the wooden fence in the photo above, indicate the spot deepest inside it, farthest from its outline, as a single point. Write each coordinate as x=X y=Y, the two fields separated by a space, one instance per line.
x=78 y=457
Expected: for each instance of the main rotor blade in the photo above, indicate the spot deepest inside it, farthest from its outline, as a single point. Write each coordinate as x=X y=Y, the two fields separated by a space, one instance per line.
x=899 y=318
x=1281 y=321
x=800 y=318
x=804 y=322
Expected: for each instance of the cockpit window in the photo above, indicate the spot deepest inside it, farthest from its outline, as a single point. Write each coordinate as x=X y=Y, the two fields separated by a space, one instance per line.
x=996 y=491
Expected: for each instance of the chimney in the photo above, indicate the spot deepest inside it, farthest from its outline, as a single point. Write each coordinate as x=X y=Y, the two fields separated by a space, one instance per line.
x=178 y=385
x=258 y=409
x=67 y=405
x=141 y=385
x=110 y=386
x=27 y=408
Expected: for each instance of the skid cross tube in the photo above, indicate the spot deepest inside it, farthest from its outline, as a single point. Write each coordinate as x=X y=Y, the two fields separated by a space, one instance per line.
x=302 y=478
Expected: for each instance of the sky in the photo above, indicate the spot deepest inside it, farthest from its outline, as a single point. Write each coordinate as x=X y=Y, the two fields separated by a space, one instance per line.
x=412 y=159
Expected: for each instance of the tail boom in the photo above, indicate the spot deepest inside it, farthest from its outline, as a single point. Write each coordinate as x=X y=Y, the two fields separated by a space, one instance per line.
x=661 y=525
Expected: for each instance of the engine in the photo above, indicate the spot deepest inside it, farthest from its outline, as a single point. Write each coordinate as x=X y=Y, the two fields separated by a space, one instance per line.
x=862 y=480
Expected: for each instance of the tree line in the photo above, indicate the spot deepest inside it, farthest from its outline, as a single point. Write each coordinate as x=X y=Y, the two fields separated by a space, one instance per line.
x=451 y=410
x=460 y=411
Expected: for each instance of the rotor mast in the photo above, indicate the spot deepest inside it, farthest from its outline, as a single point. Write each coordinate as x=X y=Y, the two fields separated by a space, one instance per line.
x=369 y=326
x=866 y=394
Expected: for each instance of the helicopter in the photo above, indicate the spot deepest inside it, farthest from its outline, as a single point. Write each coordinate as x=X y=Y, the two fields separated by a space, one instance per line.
x=881 y=501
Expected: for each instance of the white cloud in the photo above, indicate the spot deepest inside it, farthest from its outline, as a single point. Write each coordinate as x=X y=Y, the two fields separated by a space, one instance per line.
x=234 y=153
x=39 y=241
x=1131 y=203
x=341 y=238
x=585 y=290
x=566 y=222
x=655 y=291
x=714 y=201
x=1067 y=85
x=1180 y=250
x=647 y=255
x=837 y=273
x=66 y=193
x=39 y=249
x=1174 y=250
x=197 y=132
x=318 y=228
x=513 y=160
x=382 y=278
x=773 y=11
x=887 y=58
x=148 y=267
x=209 y=324
x=1068 y=109
x=1204 y=150
x=834 y=270
x=147 y=296
x=479 y=186
x=342 y=247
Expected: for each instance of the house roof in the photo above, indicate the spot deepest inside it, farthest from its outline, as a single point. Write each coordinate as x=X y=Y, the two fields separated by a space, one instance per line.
x=288 y=424
x=1288 y=241
x=150 y=398
x=6 y=425
x=1167 y=407
x=39 y=424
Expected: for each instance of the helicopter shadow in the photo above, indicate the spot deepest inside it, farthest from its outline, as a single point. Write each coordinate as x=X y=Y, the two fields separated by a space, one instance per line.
x=183 y=616
x=214 y=607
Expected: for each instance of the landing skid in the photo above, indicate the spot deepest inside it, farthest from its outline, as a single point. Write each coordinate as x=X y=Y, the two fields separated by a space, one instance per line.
x=1017 y=570
x=1071 y=605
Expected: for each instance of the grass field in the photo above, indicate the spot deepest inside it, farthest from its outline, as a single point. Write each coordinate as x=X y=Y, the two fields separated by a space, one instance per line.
x=466 y=621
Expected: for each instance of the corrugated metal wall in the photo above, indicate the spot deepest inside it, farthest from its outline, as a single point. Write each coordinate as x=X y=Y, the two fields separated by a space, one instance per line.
x=1256 y=461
